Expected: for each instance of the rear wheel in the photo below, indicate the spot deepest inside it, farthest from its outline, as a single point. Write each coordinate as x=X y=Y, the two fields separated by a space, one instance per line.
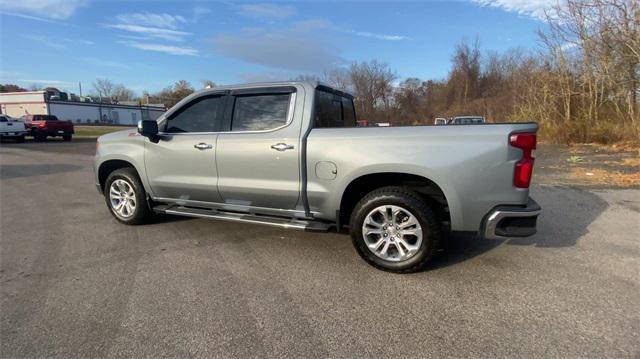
x=125 y=196
x=393 y=229
x=67 y=137
x=20 y=139
x=40 y=137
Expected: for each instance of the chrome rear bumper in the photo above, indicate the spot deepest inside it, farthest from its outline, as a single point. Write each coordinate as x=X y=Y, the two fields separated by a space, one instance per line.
x=511 y=221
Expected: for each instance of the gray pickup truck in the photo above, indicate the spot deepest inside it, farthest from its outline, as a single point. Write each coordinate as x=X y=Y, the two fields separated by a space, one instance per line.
x=289 y=154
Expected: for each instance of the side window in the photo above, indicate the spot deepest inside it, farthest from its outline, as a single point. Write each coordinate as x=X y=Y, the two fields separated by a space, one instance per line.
x=332 y=110
x=260 y=112
x=201 y=115
x=3 y=119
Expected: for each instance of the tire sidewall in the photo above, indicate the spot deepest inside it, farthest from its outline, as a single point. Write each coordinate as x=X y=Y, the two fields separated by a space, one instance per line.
x=413 y=205
x=141 y=203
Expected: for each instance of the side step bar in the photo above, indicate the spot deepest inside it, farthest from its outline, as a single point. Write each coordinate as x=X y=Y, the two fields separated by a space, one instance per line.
x=244 y=217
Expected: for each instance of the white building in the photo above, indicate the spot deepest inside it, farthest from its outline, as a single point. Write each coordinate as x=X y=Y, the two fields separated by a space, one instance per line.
x=17 y=104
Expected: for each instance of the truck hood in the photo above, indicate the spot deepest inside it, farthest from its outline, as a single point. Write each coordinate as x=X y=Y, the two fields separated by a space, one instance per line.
x=119 y=135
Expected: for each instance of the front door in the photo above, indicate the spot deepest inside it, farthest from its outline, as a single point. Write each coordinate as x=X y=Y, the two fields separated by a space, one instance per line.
x=258 y=159
x=181 y=164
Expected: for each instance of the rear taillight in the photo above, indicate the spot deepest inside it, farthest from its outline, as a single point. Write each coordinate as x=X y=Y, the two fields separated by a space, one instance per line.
x=41 y=125
x=524 y=167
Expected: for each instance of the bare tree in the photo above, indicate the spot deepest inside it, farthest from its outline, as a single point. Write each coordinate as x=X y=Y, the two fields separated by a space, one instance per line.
x=121 y=93
x=103 y=87
x=373 y=85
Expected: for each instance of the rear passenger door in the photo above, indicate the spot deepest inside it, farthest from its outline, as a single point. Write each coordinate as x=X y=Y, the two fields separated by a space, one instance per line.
x=258 y=158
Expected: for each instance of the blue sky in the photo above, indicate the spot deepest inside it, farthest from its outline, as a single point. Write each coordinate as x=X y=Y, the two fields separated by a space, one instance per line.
x=148 y=45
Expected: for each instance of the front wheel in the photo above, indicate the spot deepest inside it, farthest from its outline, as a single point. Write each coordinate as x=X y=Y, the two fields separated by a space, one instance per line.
x=125 y=196
x=394 y=229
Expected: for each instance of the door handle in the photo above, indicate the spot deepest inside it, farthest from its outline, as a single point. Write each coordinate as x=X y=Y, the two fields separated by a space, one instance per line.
x=281 y=147
x=203 y=146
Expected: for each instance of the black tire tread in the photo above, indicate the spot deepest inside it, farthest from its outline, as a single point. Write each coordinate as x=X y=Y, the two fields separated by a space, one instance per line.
x=415 y=201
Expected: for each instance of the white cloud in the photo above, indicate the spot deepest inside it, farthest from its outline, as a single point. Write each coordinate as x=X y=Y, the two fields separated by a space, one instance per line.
x=266 y=11
x=166 y=34
x=106 y=63
x=173 y=50
x=381 y=36
x=151 y=19
x=50 y=9
x=532 y=8
x=45 y=41
x=199 y=12
x=265 y=76
x=46 y=82
x=300 y=47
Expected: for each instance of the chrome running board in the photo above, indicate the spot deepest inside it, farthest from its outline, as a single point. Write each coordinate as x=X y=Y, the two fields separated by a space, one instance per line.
x=289 y=223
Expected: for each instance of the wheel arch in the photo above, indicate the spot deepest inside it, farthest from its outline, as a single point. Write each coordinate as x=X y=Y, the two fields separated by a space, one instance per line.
x=108 y=166
x=442 y=199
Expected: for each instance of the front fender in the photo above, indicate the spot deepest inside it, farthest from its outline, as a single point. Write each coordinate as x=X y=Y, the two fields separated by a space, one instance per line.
x=130 y=151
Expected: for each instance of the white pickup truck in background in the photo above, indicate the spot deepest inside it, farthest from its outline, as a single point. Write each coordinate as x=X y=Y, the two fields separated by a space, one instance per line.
x=12 y=128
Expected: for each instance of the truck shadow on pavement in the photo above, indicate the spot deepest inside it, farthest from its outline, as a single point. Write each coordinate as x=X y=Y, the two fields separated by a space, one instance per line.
x=566 y=216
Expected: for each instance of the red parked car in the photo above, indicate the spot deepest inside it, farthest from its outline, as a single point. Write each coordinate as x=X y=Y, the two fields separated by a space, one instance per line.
x=43 y=126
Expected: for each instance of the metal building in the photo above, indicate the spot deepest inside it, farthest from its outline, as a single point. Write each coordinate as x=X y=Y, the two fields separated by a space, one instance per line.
x=17 y=104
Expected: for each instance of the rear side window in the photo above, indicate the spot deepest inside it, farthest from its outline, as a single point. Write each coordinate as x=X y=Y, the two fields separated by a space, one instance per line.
x=332 y=110
x=260 y=112
x=201 y=115
x=3 y=119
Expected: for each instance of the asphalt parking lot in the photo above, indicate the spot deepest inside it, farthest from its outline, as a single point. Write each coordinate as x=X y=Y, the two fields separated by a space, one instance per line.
x=76 y=283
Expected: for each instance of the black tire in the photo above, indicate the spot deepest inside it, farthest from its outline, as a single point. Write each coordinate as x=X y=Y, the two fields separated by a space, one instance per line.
x=67 y=137
x=40 y=137
x=413 y=203
x=141 y=213
x=20 y=139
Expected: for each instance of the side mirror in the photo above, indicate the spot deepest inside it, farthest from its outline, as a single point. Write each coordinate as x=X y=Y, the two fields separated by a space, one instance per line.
x=148 y=128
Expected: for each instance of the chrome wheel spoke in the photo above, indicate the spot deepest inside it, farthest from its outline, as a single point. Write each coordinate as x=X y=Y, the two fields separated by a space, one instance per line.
x=409 y=247
x=372 y=222
x=385 y=248
x=394 y=215
x=400 y=249
x=376 y=245
x=388 y=216
x=410 y=232
x=408 y=223
x=373 y=231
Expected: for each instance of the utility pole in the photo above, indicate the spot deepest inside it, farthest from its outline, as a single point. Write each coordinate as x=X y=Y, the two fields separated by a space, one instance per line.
x=80 y=86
